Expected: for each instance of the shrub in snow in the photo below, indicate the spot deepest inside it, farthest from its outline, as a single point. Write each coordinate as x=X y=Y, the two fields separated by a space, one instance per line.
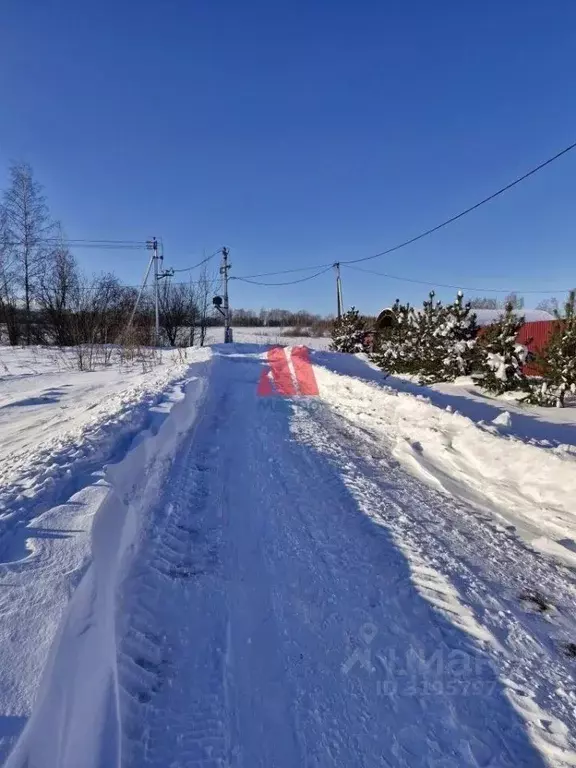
x=349 y=333
x=541 y=394
x=501 y=357
x=558 y=360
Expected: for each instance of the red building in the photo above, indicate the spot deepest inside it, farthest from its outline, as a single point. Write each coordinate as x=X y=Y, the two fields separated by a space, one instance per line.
x=535 y=336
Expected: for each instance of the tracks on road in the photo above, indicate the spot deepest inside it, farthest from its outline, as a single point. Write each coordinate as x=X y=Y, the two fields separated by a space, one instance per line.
x=269 y=619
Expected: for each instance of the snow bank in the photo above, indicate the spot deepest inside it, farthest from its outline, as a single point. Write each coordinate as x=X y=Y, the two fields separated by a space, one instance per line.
x=521 y=485
x=545 y=427
x=58 y=425
x=76 y=719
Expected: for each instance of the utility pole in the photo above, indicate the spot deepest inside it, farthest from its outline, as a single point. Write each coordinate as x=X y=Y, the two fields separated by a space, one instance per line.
x=152 y=245
x=140 y=292
x=224 y=272
x=338 y=290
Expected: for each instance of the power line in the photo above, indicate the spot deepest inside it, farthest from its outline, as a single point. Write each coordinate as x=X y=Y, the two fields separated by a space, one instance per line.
x=428 y=231
x=103 y=246
x=288 y=282
x=95 y=288
x=446 y=285
x=99 y=244
x=468 y=210
x=285 y=271
x=91 y=240
x=189 y=269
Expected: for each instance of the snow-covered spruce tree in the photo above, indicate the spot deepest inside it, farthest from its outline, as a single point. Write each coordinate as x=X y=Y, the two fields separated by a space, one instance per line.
x=429 y=353
x=501 y=358
x=392 y=345
x=349 y=332
x=458 y=334
x=558 y=360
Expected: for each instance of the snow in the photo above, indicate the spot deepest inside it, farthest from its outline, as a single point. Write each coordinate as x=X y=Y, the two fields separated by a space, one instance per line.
x=265 y=335
x=546 y=427
x=503 y=419
x=486 y=317
x=59 y=428
x=58 y=423
x=489 y=316
x=518 y=484
x=78 y=698
x=227 y=579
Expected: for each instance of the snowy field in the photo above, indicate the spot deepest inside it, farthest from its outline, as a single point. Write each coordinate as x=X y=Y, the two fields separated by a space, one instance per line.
x=193 y=574
x=280 y=336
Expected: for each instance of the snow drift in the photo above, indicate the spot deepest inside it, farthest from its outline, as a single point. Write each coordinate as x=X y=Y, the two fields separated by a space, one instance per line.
x=519 y=484
x=77 y=701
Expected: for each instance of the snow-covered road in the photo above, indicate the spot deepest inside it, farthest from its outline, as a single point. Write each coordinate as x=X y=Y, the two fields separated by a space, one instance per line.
x=300 y=595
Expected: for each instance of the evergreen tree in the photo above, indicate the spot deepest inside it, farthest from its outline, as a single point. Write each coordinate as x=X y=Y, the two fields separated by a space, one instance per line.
x=348 y=333
x=394 y=344
x=434 y=344
x=459 y=336
x=428 y=359
x=501 y=357
x=558 y=360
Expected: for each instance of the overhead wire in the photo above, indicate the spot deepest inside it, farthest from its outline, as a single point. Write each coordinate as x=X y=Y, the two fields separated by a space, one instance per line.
x=200 y=263
x=286 y=282
x=104 y=246
x=432 y=229
x=90 y=240
x=149 y=286
x=466 y=211
x=286 y=271
x=107 y=245
x=137 y=245
x=448 y=285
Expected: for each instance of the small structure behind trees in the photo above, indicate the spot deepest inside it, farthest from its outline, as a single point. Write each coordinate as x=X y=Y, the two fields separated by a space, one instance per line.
x=442 y=342
x=557 y=361
x=435 y=343
x=501 y=358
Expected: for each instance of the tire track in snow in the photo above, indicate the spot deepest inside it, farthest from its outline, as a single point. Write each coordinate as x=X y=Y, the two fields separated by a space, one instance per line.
x=167 y=689
x=265 y=605
x=487 y=569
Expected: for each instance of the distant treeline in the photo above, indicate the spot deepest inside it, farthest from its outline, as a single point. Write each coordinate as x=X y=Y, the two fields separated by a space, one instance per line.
x=278 y=318
x=45 y=298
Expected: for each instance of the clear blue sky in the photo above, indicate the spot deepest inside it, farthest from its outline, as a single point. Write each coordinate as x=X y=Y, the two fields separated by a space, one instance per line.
x=302 y=132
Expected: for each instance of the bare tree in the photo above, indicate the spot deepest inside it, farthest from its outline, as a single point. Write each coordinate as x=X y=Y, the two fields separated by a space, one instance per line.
x=27 y=228
x=9 y=311
x=205 y=292
x=102 y=308
x=57 y=294
x=194 y=312
x=516 y=301
x=114 y=303
x=484 y=302
x=99 y=312
x=178 y=310
x=549 y=305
